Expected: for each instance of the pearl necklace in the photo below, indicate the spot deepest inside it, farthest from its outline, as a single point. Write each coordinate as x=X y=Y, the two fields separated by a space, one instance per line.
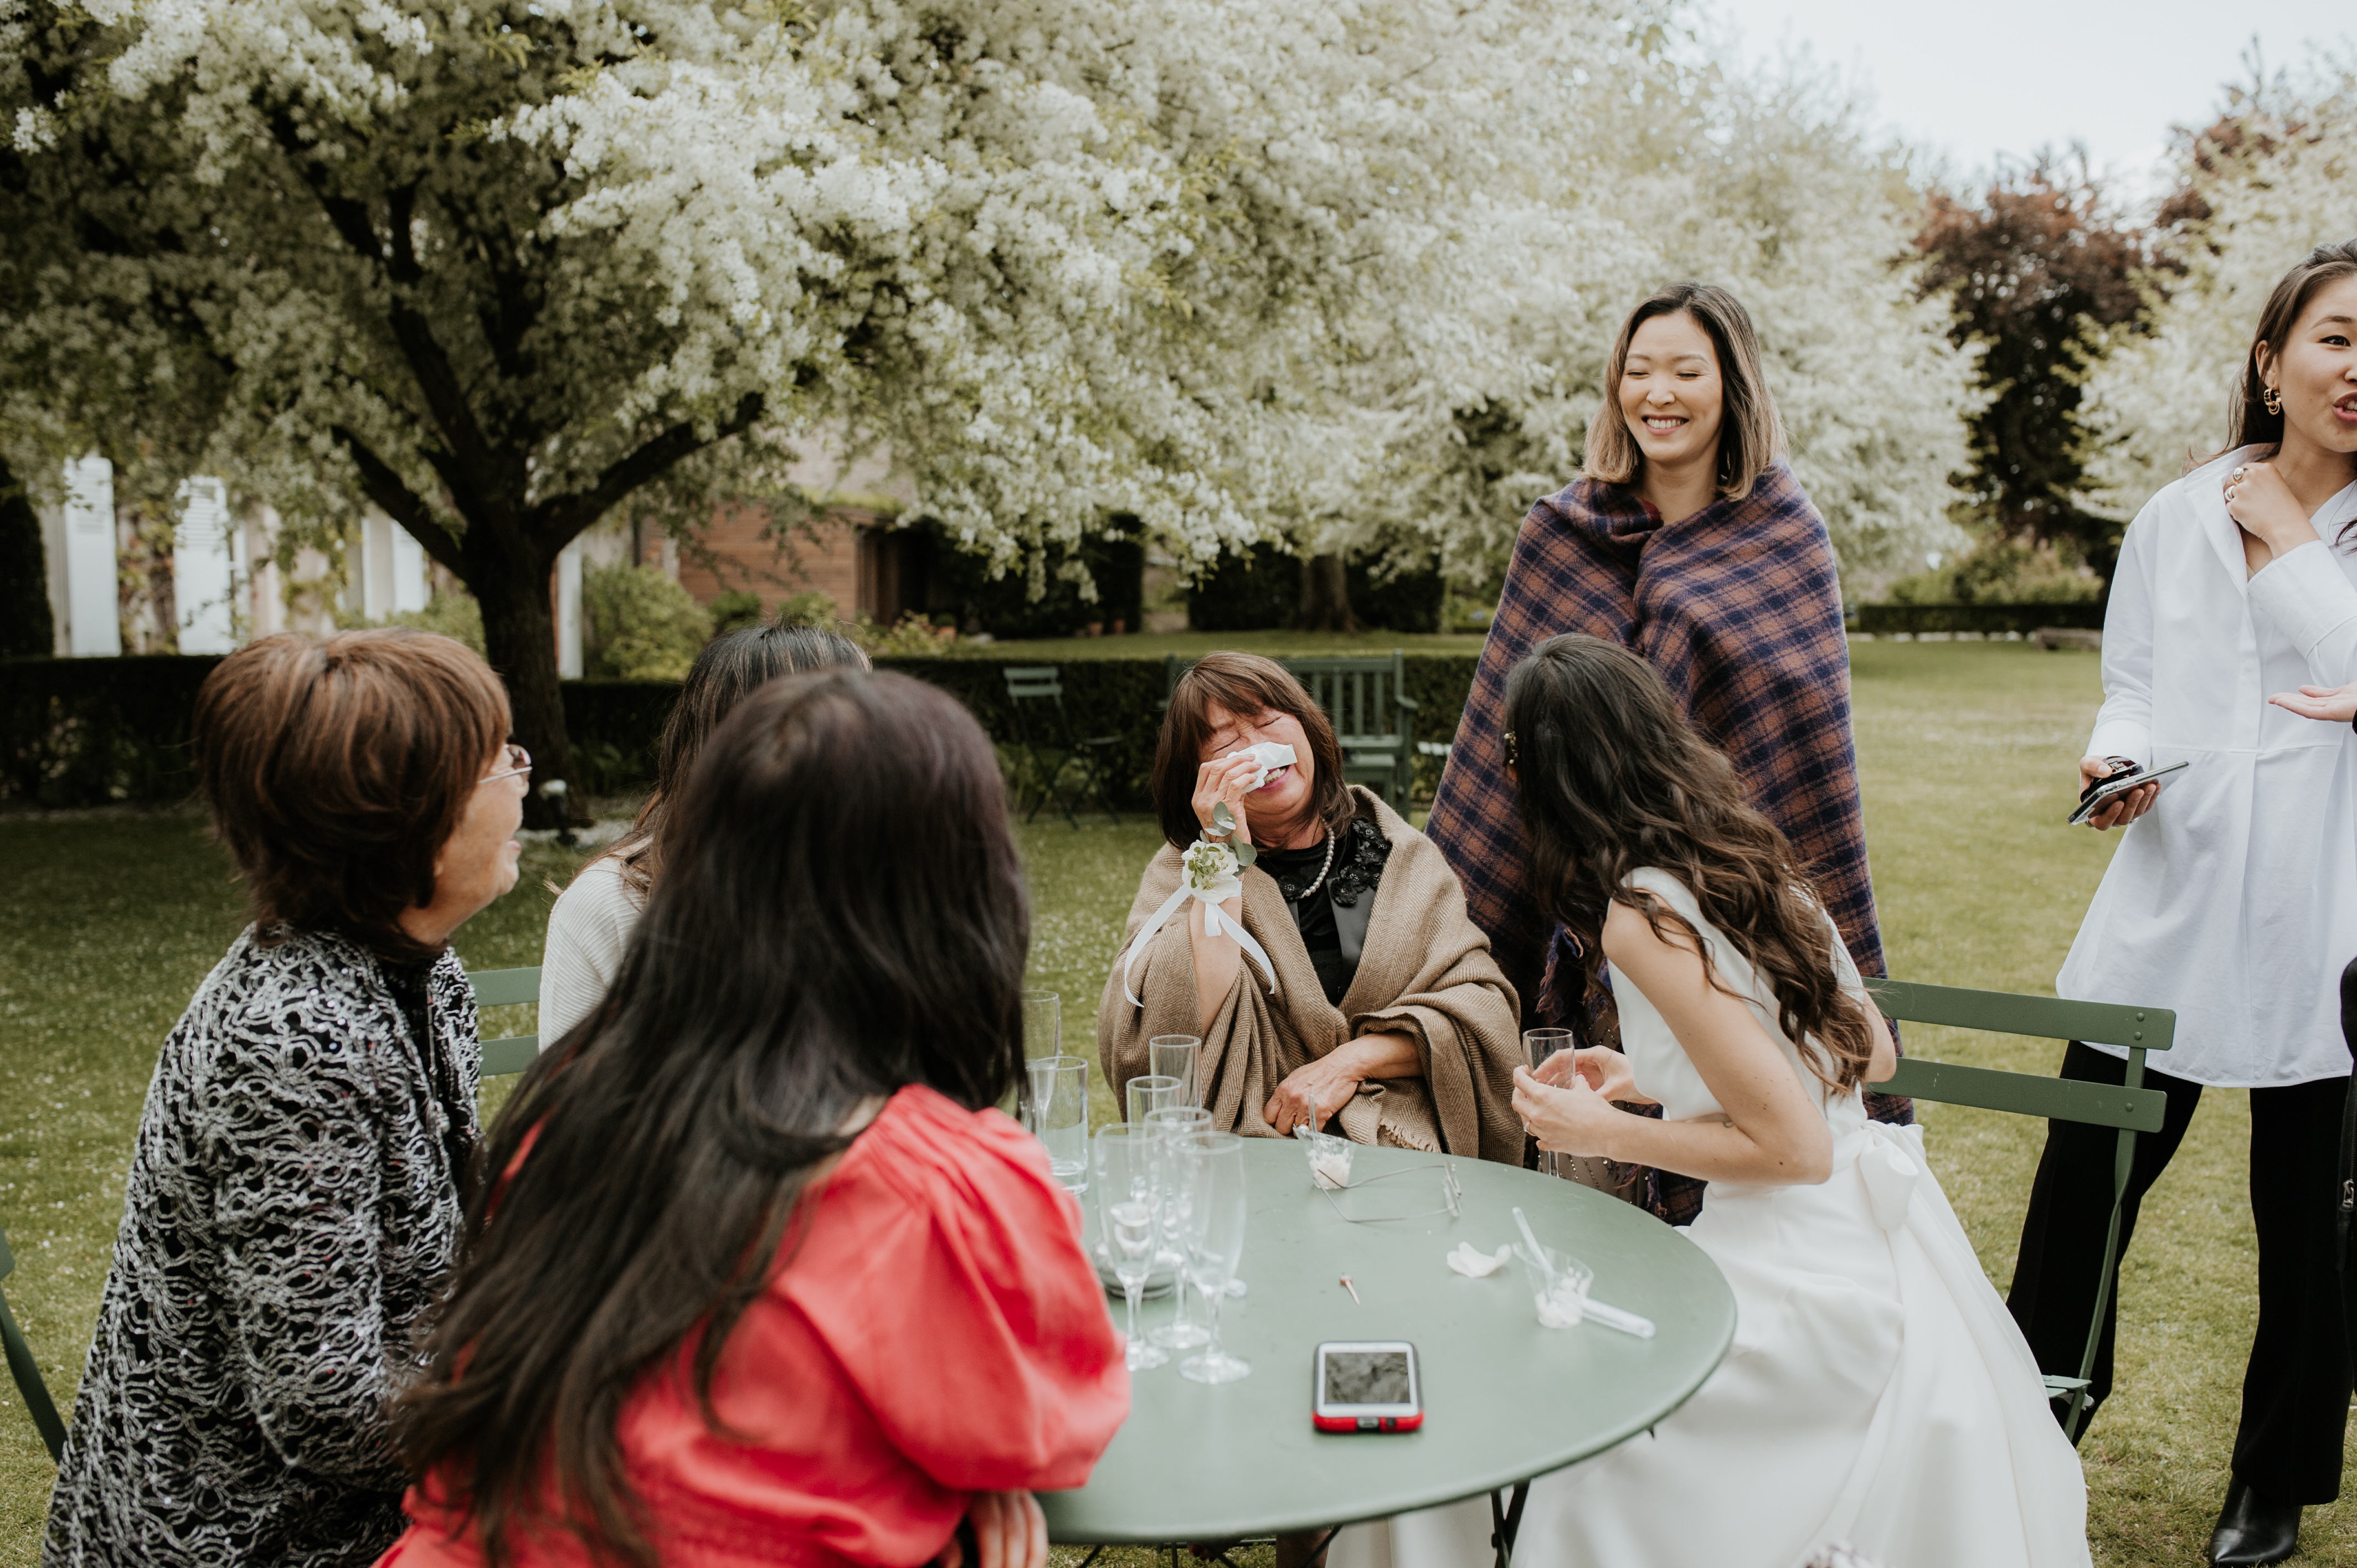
x=1322 y=870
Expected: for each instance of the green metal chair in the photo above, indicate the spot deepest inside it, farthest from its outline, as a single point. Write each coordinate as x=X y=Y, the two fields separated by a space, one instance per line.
x=2130 y=1106
x=28 y=1372
x=1032 y=683
x=1364 y=697
x=507 y=988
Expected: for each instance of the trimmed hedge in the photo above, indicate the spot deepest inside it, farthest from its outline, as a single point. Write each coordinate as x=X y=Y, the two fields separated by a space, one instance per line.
x=1885 y=620
x=84 y=732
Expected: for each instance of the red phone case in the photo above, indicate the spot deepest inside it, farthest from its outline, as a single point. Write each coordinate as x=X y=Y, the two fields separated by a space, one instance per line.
x=1367 y=1423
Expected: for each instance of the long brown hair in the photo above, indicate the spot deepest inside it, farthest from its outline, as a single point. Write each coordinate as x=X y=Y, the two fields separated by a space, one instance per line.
x=2248 y=422
x=843 y=914
x=1750 y=430
x=336 y=767
x=732 y=666
x=1246 y=685
x=1613 y=778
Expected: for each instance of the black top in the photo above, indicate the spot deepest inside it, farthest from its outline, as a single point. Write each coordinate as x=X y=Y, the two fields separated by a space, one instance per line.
x=1332 y=919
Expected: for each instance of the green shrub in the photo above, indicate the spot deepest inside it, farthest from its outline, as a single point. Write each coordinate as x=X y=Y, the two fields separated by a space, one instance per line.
x=637 y=624
x=2000 y=572
x=455 y=616
x=809 y=607
x=734 y=609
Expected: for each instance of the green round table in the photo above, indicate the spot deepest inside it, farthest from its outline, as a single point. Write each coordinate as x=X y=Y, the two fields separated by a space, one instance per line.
x=1504 y=1398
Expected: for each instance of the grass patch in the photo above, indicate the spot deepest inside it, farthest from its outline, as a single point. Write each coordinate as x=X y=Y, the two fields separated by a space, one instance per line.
x=1195 y=644
x=107 y=924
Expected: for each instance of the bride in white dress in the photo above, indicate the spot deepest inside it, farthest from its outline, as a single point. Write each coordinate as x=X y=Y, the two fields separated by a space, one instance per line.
x=1877 y=1392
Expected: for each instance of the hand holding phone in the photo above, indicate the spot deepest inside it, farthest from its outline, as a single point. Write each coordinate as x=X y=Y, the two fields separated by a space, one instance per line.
x=2101 y=803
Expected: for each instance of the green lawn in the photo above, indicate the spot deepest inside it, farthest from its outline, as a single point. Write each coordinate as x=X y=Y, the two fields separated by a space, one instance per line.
x=1195 y=644
x=107 y=923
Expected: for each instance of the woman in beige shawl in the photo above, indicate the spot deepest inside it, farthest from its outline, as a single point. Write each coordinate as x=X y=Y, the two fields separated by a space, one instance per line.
x=1386 y=1013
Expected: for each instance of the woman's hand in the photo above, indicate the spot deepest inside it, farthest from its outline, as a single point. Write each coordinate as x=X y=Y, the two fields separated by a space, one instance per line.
x=1228 y=779
x=2122 y=809
x=1571 y=1119
x=1009 y=1531
x=2334 y=705
x=1604 y=1070
x=2263 y=506
x=1334 y=1079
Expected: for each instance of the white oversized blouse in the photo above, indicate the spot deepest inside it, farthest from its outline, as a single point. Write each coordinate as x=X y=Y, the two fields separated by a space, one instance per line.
x=2235 y=899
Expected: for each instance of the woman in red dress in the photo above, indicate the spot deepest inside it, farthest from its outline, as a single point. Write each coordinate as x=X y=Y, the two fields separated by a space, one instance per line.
x=763 y=1277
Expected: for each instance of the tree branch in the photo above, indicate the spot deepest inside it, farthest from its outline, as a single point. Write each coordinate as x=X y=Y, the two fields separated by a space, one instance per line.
x=559 y=517
x=395 y=500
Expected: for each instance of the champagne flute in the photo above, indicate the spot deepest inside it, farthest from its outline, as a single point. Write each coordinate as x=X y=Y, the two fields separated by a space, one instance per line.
x=1176 y=1124
x=1179 y=1057
x=1132 y=1222
x=1213 y=1164
x=1537 y=1046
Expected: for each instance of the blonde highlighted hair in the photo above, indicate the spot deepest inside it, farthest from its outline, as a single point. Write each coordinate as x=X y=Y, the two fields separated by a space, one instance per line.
x=1750 y=432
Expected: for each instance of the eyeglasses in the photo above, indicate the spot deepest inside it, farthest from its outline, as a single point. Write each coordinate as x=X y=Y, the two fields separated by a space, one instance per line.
x=519 y=760
x=1452 y=1196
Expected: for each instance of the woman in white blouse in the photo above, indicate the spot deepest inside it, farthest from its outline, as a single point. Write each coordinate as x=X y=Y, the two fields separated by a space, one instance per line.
x=2234 y=898
x=592 y=921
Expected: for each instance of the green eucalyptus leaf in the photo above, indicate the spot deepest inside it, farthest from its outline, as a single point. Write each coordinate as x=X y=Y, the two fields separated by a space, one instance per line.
x=1244 y=852
x=1223 y=819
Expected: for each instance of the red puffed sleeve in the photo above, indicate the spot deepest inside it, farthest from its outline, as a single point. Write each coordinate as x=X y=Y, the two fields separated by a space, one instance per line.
x=946 y=1278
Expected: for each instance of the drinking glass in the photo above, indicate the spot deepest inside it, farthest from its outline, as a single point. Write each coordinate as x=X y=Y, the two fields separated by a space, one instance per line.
x=1558 y=1284
x=1126 y=1156
x=1043 y=1025
x=1180 y=1056
x=1060 y=1116
x=1176 y=1124
x=1151 y=1092
x=1213 y=1166
x=1537 y=1046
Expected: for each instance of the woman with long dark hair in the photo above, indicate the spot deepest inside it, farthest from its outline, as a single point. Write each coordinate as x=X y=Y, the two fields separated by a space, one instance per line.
x=1877 y=1393
x=2233 y=899
x=1688 y=539
x=761 y=1275
x=590 y=924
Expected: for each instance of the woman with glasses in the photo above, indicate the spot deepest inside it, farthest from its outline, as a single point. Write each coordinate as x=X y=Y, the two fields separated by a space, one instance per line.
x=293 y=1203
x=592 y=921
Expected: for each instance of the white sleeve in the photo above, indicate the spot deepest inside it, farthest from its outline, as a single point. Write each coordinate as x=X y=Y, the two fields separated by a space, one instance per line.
x=2306 y=594
x=587 y=931
x=2123 y=724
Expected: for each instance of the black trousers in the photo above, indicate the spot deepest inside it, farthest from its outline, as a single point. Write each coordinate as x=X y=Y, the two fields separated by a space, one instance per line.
x=2296 y=1389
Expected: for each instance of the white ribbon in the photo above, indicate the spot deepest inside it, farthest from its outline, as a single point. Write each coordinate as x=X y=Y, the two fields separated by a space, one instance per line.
x=1210 y=898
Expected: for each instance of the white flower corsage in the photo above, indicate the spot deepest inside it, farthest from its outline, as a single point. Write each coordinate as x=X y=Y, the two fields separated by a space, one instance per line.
x=1209 y=873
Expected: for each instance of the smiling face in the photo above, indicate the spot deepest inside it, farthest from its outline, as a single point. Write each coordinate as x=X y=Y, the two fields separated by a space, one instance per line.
x=2316 y=372
x=1288 y=792
x=1672 y=394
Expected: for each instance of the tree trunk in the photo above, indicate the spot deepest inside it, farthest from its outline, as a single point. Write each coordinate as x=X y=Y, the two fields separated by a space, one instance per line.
x=520 y=634
x=1325 y=597
x=26 y=627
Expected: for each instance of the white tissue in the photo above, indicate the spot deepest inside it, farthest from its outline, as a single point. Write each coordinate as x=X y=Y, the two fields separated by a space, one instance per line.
x=1271 y=755
x=1330 y=1167
x=1474 y=1263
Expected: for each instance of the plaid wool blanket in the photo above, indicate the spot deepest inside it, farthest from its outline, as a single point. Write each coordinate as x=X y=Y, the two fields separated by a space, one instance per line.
x=1739 y=610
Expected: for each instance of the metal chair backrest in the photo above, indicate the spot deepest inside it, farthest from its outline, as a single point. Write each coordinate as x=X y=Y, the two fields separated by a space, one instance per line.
x=1026 y=682
x=2130 y=1106
x=27 y=1370
x=507 y=988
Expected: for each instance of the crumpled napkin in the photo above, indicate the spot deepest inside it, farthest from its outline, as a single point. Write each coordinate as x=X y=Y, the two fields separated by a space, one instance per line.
x=1474 y=1263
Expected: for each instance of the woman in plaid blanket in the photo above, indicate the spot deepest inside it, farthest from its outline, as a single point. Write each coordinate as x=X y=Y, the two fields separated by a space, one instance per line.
x=1688 y=540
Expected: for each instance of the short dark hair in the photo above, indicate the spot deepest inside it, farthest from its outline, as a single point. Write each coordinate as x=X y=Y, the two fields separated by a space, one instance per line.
x=1245 y=684
x=1750 y=432
x=731 y=668
x=844 y=914
x=338 y=767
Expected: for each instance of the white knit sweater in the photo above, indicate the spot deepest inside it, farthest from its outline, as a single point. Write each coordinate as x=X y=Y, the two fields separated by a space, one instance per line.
x=587 y=931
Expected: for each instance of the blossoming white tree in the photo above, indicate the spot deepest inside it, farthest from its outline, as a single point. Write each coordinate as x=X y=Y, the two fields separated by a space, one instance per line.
x=2159 y=401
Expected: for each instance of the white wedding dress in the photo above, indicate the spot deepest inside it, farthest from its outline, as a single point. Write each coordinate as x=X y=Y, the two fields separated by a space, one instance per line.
x=1877 y=1392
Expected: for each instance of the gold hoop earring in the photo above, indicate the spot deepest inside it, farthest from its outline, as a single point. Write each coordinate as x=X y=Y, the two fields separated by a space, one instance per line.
x=2270 y=400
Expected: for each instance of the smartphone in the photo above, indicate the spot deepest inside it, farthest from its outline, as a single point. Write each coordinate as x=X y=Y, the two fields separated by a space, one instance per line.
x=2103 y=792
x=1367 y=1385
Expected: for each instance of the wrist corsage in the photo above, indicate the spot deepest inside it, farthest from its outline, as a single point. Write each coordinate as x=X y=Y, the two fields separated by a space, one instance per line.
x=1209 y=873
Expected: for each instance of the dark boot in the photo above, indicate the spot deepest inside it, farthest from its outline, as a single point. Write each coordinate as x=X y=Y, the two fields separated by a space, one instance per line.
x=2251 y=1529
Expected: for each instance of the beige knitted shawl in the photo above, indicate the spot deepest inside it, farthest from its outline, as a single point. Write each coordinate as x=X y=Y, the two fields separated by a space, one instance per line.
x=1425 y=972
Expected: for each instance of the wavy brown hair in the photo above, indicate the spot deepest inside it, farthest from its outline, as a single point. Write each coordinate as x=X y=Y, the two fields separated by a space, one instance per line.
x=1611 y=778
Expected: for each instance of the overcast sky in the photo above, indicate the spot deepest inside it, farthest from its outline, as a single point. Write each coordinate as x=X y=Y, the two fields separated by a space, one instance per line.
x=2006 y=77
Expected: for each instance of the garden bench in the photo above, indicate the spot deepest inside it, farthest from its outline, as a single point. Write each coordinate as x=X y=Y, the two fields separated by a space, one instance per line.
x=28 y=1372
x=1365 y=698
x=2129 y=1107
x=507 y=988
